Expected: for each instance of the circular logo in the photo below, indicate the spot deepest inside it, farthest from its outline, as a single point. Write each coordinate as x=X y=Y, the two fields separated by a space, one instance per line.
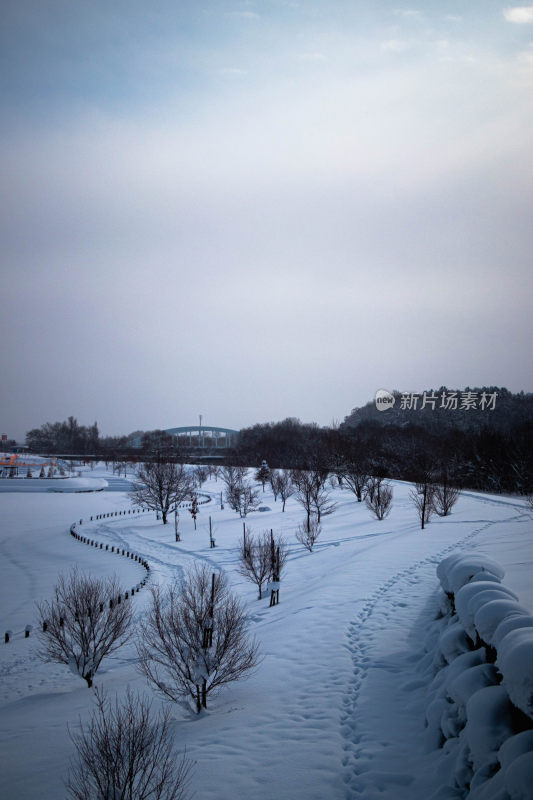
x=384 y=400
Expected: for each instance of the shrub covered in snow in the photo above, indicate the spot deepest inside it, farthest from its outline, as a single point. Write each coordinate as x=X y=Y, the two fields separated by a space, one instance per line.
x=482 y=710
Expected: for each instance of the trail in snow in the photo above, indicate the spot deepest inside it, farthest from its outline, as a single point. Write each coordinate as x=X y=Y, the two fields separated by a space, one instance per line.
x=389 y=599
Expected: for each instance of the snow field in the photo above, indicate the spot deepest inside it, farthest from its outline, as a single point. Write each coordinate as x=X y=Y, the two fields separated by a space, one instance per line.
x=336 y=709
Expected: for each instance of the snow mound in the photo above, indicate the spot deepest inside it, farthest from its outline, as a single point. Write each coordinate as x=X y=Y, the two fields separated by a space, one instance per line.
x=473 y=706
x=515 y=662
x=509 y=624
x=491 y=614
x=489 y=713
x=472 y=596
x=459 y=568
x=519 y=778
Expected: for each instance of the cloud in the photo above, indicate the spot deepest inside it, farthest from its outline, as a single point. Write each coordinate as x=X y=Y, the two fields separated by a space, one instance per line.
x=232 y=72
x=317 y=57
x=522 y=15
x=408 y=12
x=242 y=14
x=395 y=45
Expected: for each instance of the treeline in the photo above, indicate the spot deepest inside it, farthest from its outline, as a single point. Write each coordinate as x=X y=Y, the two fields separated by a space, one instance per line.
x=488 y=460
x=487 y=444
x=71 y=438
x=476 y=447
x=64 y=437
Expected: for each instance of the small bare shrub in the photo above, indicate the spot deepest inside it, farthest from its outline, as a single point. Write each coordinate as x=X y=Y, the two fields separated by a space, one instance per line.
x=309 y=537
x=444 y=498
x=84 y=622
x=194 y=638
x=124 y=753
x=379 y=498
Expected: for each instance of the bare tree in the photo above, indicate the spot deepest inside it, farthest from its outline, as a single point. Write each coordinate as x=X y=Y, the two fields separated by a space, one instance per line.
x=304 y=488
x=242 y=497
x=355 y=475
x=231 y=476
x=379 y=499
x=255 y=559
x=422 y=498
x=322 y=504
x=163 y=486
x=284 y=486
x=84 y=622
x=309 y=537
x=125 y=752
x=312 y=494
x=200 y=474
x=194 y=638
x=445 y=497
x=274 y=477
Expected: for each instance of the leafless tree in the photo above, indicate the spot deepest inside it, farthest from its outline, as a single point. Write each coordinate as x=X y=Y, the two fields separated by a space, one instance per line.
x=163 y=486
x=379 y=500
x=304 y=488
x=322 y=504
x=199 y=474
x=356 y=476
x=309 y=537
x=255 y=558
x=285 y=486
x=261 y=558
x=274 y=477
x=194 y=638
x=242 y=497
x=83 y=623
x=231 y=476
x=445 y=497
x=125 y=752
x=422 y=498
x=312 y=494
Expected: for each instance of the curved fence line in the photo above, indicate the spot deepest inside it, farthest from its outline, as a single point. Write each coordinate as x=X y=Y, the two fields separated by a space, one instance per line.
x=122 y=551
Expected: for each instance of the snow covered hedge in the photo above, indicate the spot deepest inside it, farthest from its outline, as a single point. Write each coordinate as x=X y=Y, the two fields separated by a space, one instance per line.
x=480 y=704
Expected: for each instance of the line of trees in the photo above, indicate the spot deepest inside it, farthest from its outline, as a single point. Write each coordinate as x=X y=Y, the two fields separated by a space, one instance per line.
x=490 y=450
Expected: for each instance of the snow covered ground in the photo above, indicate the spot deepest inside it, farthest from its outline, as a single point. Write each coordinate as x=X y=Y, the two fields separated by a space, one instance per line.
x=337 y=707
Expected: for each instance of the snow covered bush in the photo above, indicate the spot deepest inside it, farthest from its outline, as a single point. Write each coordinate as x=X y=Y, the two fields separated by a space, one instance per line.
x=459 y=568
x=194 y=638
x=83 y=622
x=515 y=662
x=125 y=753
x=481 y=712
x=472 y=596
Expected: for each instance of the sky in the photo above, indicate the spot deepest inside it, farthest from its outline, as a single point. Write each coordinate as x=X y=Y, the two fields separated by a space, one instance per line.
x=255 y=210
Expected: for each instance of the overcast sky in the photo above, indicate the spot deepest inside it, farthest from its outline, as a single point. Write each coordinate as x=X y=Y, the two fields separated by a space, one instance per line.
x=254 y=210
